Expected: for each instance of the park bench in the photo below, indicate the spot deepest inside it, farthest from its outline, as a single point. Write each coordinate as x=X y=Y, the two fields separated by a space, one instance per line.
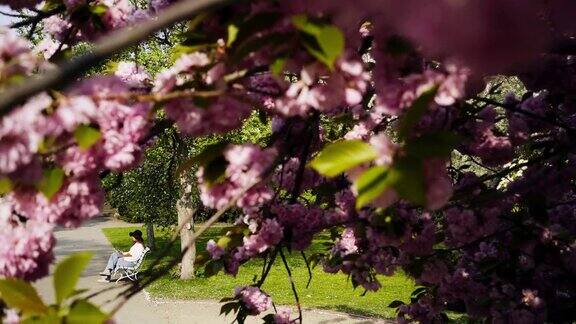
x=130 y=272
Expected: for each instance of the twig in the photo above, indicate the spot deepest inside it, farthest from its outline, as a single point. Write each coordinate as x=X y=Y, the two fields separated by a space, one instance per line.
x=512 y=108
x=266 y=270
x=482 y=165
x=311 y=132
x=34 y=20
x=117 y=41
x=19 y=15
x=307 y=267
x=292 y=284
x=160 y=97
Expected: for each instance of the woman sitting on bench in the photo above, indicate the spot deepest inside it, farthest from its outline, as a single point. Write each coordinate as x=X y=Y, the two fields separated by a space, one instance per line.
x=125 y=259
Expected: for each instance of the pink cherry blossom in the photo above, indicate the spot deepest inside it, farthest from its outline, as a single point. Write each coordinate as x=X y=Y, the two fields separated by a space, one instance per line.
x=438 y=183
x=11 y=316
x=255 y=300
x=77 y=200
x=215 y=251
x=21 y=133
x=26 y=250
x=133 y=74
x=283 y=316
x=246 y=165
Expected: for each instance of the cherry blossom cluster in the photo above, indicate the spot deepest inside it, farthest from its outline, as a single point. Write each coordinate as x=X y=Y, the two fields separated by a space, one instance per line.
x=344 y=88
x=255 y=300
x=26 y=249
x=198 y=116
x=75 y=21
x=245 y=166
x=52 y=150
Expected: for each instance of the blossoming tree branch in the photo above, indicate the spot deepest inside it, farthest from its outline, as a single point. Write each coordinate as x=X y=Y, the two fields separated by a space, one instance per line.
x=391 y=127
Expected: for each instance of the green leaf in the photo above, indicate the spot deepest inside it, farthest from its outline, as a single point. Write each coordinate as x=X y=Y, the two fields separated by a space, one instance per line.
x=396 y=304
x=277 y=67
x=331 y=41
x=111 y=68
x=64 y=54
x=228 y=307
x=51 y=4
x=21 y=295
x=52 y=317
x=308 y=25
x=326 y=42
x=224 y=241
x=195 y=21
x=232 y=34
x=213 y=267
x=83 y=312
x=415 y=112
x=408 y=178
x=67 y=274
x=256 y=24
x=340 y=156
x=315 y=259
x=178 y=50
x=6 y=185
x=215 y=171
x=371 y=184
x=202 y=258
x=313 y=48
x=99 y=9
x=438 y=144
x=86 y=136
x=46 y=144
x=255 y=44
x=269 y=319
x=418 y=291
x=51 y=182
x=209 y=154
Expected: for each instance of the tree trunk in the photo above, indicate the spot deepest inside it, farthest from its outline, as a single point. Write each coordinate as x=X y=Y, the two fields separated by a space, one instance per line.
x=186 y=214
x=151 y=240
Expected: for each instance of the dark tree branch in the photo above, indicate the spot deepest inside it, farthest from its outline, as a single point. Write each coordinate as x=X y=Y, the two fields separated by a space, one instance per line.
x=110 y=45
x=39 y=17
x=292 y=284
x=18 y=15
x=311 y=130
x=266 y=269
x=530 y=114
x=307 y=267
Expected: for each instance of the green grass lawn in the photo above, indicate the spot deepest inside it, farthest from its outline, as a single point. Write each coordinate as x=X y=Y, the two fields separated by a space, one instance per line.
x=328 y=291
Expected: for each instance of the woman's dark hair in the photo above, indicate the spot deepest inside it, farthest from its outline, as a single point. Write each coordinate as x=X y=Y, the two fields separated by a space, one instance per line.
x=137 y=234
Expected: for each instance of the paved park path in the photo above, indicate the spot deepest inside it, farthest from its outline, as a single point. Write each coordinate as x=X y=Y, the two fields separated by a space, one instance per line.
x=141 y=308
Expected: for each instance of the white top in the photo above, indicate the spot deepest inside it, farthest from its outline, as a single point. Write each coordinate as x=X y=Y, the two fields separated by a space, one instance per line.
x=135 y=252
